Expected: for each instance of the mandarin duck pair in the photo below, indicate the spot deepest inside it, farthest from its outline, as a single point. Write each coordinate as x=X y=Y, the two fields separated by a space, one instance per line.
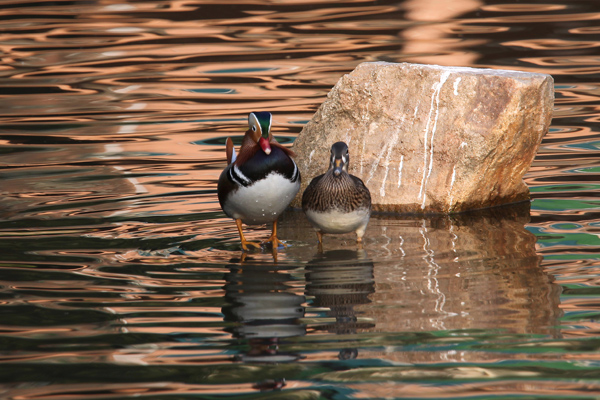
x=262 y=179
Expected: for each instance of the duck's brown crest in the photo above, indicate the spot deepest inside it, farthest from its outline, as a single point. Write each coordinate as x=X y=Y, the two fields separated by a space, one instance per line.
x=247 y=150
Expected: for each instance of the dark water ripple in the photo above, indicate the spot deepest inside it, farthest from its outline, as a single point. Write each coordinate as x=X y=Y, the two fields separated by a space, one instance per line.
x=120 y=277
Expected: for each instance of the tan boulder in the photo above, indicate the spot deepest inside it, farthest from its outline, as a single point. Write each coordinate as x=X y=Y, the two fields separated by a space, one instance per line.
x=431 y=139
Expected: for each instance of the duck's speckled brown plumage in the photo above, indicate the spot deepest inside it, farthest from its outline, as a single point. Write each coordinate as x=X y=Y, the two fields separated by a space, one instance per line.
x=345 y=193
x=337 y=202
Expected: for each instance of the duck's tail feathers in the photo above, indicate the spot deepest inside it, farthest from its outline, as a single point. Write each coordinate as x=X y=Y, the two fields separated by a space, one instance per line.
x=230 y=150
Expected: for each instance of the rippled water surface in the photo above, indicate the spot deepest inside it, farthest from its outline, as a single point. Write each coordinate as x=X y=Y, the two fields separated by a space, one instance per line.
x=121 y=278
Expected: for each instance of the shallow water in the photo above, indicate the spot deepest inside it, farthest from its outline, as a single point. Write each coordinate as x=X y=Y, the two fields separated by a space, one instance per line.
x=121 y=278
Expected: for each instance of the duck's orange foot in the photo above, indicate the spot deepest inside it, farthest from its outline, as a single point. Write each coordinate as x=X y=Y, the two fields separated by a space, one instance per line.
x=273 y=238
x=245 y=244
x=275 y=241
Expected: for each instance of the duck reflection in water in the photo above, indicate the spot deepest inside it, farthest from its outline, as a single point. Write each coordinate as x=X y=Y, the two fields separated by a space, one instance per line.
x=265 y=312
x=339 y=280
x=264 y=309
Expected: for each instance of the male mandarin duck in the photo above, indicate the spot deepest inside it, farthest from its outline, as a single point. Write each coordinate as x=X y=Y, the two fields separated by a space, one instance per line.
x=337 y=202
x=261 y=181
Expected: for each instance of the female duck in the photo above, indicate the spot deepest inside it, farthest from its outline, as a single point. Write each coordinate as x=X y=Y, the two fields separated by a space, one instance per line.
x=337 y=202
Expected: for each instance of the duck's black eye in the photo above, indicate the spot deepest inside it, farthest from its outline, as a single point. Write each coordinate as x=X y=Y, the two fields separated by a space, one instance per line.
x=253 y=128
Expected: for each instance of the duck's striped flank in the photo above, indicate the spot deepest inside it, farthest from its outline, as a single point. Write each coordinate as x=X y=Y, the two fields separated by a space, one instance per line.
x=236 y=176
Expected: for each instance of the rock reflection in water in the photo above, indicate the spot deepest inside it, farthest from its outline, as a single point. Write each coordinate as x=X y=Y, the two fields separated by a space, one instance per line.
x=474 y=271
x=340 y=280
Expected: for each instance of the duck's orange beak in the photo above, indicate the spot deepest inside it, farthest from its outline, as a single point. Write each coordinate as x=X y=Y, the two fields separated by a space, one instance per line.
x=264 y=145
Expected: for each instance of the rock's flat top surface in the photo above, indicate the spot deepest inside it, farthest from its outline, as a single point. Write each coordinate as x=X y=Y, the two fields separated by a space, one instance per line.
x=432 y=139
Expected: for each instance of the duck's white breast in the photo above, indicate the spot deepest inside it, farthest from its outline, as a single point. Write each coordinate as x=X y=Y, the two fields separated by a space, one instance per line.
x=335 y=221
x=263 y=201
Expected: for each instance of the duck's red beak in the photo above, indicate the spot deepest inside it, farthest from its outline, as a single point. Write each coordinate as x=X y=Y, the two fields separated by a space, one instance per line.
x=264 y=145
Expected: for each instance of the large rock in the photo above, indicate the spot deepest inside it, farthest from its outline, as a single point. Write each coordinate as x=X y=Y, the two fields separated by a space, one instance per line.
x=431 y=139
